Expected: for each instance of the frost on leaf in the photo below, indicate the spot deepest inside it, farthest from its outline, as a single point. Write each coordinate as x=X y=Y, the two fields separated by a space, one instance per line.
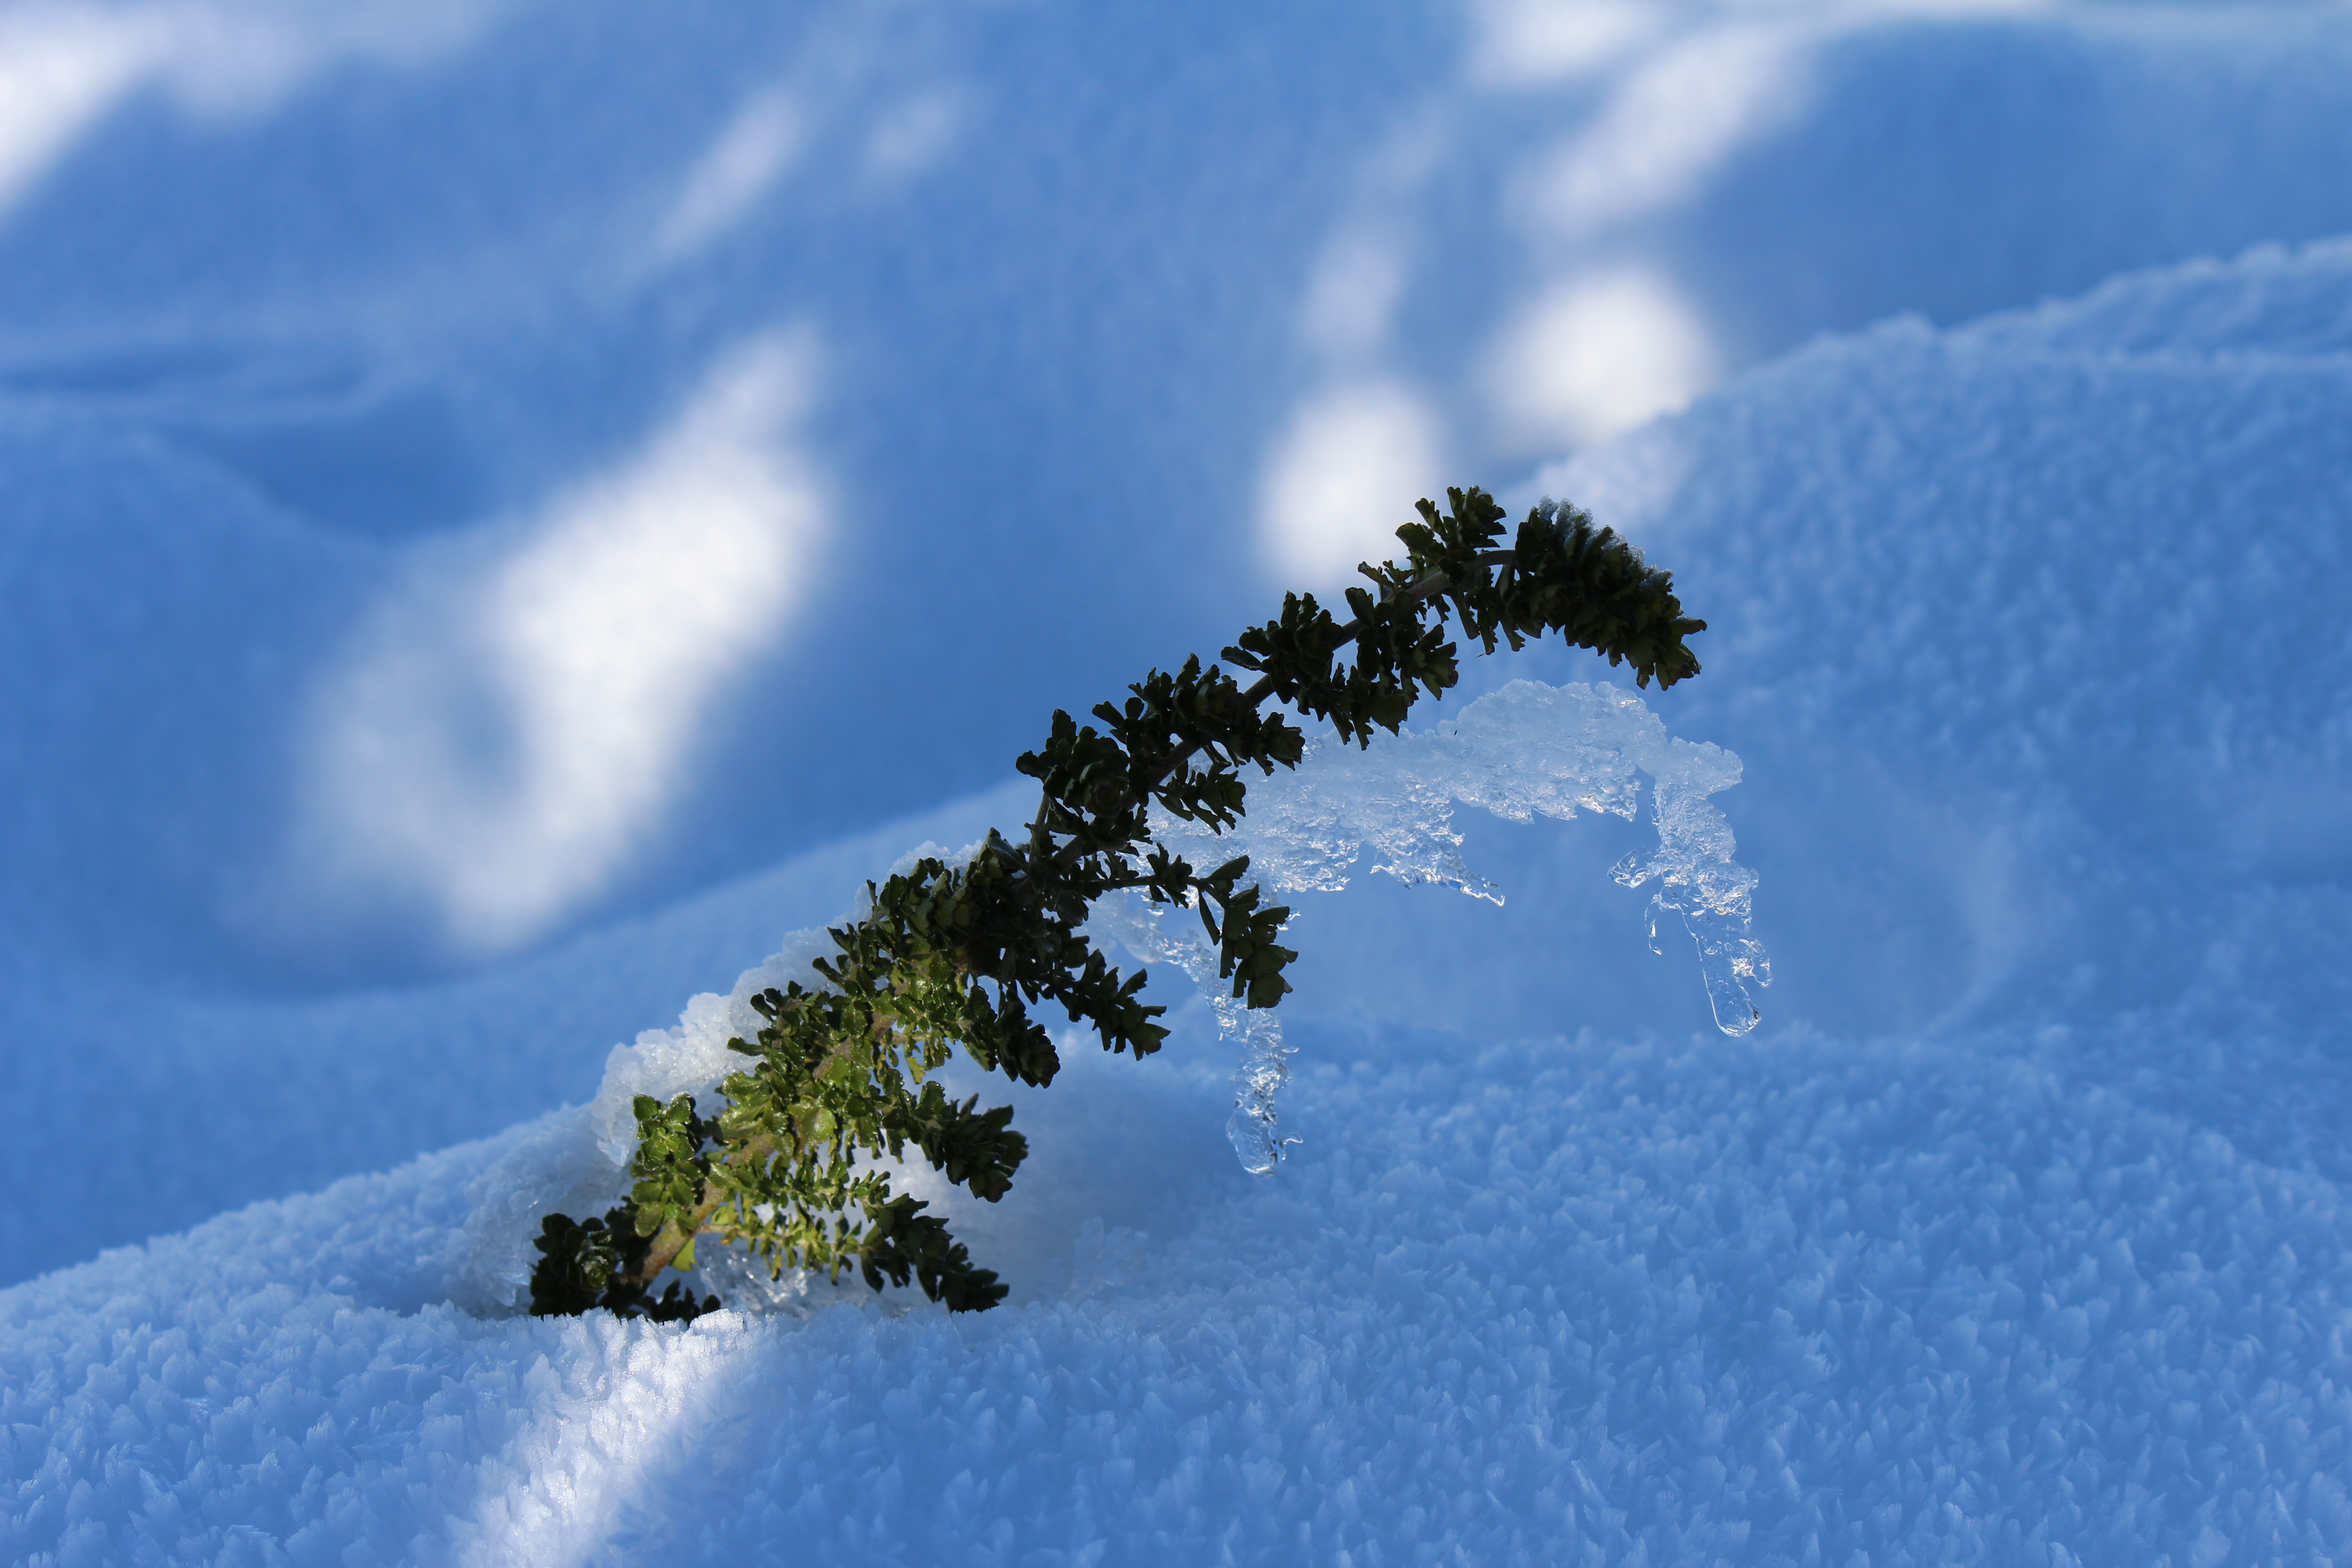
x=1526 y=751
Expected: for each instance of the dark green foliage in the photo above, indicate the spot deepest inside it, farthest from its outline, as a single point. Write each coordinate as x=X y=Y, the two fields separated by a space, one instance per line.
x=576 y=1263
x=1562 y=575
x=902 y=1241
x=588 y=1265
x=959 y=957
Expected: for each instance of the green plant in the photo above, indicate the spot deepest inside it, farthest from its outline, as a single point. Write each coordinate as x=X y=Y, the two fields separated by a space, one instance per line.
x=960 y=955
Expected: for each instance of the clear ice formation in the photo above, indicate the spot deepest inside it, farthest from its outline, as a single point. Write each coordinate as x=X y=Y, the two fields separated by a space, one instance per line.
x=1130 y=920
x=1524 y=751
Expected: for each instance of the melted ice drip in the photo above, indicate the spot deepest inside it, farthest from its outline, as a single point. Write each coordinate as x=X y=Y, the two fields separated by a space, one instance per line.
x=1140 y=928
x=1527 y=750
x=1697 y=877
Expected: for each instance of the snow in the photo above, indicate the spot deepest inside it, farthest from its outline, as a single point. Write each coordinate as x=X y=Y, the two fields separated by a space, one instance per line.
x=374 y=772
x=1550 y=1296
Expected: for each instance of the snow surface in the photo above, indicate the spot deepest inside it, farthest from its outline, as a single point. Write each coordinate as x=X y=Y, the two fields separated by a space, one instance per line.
x=376 y=757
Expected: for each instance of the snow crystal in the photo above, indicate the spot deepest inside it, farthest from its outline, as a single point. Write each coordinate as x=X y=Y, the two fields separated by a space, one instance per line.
x=691 y=1056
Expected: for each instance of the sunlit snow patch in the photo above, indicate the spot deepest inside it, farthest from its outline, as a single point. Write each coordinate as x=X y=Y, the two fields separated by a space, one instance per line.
x=520 y=715
x=1524 y=751
x=1669 y=125
x=1596 y=356
x=1337 y=471
x=756 y=148
x=65 y=67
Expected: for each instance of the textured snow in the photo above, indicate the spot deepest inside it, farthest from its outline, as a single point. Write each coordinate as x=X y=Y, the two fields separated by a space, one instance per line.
x=2014 y=1234
x=1954 y=1286
x=1526 y=1303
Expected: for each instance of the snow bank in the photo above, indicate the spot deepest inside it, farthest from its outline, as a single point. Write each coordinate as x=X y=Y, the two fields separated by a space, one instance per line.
x=308 y=374
x=2029 y=1248
x=1520 y=1304
x=364 y=346
x=2039 y=619
x=221 y=1100
x=2017 y=1235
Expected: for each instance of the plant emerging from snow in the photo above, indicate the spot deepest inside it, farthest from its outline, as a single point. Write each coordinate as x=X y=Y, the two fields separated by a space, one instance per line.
x=837 y=1078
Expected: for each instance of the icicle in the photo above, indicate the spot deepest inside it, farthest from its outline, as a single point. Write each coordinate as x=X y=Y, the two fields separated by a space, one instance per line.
x=1698 y=878
x=1135 y=924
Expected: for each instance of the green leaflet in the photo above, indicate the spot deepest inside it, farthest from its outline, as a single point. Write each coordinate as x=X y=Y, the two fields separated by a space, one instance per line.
x=960 y=957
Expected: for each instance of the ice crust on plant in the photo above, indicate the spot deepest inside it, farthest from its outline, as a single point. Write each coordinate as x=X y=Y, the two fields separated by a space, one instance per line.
x=576 y=1159
x=1525 y=751
x=691 y=1056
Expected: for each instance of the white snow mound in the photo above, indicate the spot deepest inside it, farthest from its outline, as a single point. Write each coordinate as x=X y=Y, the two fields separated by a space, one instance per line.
x=2035 y=1253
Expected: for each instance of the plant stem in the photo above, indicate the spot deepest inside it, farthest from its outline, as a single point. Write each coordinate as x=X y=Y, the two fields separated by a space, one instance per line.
x=673 y=1238
x=1263 y=688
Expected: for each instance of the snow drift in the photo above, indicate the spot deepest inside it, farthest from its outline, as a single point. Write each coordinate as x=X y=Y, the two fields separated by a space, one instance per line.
x=343 y=359
x=1968 y=1264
